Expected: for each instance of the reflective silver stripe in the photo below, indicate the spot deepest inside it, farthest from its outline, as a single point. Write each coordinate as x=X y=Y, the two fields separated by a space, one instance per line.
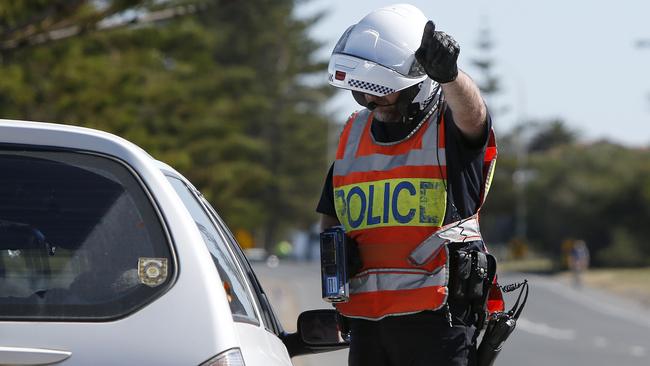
x=397 y=279
x=381 y=162
x=459 y=231
x=356 y=130
x=430 y=138
x=488 y=180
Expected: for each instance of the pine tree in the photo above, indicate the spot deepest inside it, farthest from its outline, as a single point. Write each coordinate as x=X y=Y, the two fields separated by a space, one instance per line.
x=217 y=90
x=489 y=82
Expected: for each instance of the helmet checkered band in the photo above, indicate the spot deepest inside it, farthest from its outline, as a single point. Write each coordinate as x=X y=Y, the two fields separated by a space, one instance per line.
x=380 y=89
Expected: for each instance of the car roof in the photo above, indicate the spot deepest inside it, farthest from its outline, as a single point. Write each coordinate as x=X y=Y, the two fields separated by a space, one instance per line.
x=52 y=135
x=66 y=136
x=166 y=168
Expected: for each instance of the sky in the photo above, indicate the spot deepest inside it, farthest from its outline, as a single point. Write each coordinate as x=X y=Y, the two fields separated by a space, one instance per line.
x=575 y=60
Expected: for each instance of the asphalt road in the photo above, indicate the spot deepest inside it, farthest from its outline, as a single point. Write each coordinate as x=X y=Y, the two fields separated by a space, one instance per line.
x=560 y=325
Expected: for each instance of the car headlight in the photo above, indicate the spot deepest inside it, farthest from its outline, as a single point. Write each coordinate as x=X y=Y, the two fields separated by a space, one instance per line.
x=231 y=357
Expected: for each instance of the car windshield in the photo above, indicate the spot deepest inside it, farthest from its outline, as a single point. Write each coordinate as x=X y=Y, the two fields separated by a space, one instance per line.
x=79 y=238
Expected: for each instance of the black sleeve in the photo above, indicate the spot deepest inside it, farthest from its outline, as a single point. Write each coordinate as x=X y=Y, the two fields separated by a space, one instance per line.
x=468 y=149
x=326 y=203
x=464 y=167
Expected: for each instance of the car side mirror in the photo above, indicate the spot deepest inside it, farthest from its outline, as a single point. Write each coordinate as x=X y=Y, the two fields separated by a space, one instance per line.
x=317 y=332
x=319 y=328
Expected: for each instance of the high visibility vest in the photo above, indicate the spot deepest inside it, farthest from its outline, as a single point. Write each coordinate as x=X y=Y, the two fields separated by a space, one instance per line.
x=392 y=198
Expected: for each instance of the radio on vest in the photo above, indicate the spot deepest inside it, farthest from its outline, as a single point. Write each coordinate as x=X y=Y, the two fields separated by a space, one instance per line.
x=334 y=276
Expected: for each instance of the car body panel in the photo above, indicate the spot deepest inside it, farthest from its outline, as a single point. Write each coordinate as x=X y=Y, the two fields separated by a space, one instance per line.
x=261 y=348
x=186 y=325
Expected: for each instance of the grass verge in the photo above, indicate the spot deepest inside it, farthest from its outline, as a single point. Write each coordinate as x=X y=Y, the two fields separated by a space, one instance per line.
x=633 y=283
x=531 y=265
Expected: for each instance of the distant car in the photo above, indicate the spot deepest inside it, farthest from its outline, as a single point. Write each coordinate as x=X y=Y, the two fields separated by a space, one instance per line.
x=109 y=257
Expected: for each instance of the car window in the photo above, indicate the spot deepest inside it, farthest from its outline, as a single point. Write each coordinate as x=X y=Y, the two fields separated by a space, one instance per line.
x=239 y=297
x=79 y=238
x=271 y=322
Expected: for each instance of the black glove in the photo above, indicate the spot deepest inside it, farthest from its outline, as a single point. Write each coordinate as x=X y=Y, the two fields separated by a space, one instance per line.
x=353 y=256
x=437 y=54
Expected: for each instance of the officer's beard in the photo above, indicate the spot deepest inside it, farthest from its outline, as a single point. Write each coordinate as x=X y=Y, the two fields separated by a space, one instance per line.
x=385 y=112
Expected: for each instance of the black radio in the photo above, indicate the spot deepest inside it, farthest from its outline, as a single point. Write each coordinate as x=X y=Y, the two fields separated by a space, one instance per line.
x=334 y=276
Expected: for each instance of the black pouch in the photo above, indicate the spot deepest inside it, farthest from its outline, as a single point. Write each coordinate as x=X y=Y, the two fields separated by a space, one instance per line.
x=468 y=273
x=478 y=275
x=460 y=267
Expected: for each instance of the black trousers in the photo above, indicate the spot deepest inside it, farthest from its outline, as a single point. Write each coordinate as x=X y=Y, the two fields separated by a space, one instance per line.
x=422 y=339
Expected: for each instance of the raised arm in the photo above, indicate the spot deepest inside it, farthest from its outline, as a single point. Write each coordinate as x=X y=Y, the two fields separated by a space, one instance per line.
x=438 y=55
x=467 y=106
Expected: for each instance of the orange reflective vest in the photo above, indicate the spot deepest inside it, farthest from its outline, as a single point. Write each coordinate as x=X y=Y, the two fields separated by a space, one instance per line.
x=391 y=198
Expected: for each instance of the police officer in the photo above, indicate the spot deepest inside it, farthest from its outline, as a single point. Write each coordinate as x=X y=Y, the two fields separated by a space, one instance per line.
x=417 y=159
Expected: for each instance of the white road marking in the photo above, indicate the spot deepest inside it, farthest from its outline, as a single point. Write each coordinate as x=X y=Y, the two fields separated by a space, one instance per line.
x=546 y=330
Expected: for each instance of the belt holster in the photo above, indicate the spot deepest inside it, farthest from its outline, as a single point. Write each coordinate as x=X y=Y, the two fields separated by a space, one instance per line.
x=471 y=274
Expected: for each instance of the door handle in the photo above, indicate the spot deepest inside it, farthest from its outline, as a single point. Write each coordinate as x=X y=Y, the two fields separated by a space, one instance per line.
x=31 y=356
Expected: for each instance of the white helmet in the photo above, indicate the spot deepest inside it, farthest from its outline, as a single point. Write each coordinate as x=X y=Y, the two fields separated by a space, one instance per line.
x=377 y=55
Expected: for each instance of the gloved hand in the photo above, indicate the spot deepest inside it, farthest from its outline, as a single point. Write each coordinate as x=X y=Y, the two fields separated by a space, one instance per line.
x=437 y=54
x=353 y=256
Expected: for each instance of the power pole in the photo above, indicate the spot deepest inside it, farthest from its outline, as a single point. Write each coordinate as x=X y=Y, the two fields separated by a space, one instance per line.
x=644 y=43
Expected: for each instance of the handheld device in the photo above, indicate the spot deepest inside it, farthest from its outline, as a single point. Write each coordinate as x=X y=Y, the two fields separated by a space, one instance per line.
x=334 y=276
x=500 y=326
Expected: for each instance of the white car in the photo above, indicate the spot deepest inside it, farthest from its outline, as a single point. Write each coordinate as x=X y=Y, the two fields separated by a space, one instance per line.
x=109 y=257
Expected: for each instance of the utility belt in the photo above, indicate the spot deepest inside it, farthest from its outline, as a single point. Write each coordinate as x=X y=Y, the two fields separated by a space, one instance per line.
x=472 y=276
x=471 y=271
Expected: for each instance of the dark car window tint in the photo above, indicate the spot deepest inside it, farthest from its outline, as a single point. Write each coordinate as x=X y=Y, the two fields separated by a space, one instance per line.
x=239 y=298
x=79 y=238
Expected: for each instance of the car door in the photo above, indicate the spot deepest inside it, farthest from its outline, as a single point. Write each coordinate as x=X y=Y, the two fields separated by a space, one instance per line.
x=255 y=324
x=271 y=322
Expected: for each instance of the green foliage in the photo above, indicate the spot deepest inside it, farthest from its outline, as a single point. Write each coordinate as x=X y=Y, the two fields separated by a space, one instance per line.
x=598 y=192
x=549 y=187
x=623 y=252
x=553 y=133
x=217 y=93
x=489 y=83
